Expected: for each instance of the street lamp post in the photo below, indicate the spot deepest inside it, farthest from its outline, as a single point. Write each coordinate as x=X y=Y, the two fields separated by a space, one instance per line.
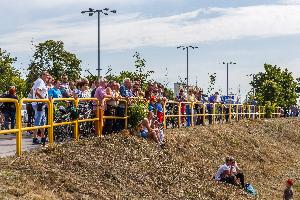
x=187 y=62
x=227 y=64
x=104 y=11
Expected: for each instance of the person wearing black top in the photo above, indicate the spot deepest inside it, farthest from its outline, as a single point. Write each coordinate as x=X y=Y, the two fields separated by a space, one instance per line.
x=10 y=109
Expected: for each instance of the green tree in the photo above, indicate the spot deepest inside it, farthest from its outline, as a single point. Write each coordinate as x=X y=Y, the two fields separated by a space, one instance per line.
x=52 y=57
x=298 y=86
x=276 y=86
x=212 y=82
x=140 y=72
x=9 y=76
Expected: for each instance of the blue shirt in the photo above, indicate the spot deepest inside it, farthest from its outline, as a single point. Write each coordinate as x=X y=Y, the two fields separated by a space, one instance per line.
x=125 y=92
x=159 y=107
x=211 y=99
x=151 y=107
x=54 y=93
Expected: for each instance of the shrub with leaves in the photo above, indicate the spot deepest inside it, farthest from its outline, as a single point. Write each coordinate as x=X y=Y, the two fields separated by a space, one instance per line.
x=137 y=113
x=269 y=109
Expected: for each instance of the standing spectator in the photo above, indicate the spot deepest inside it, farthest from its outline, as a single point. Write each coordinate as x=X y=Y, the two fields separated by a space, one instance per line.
x=65 y=86
x=149 y=91
x=125 y=89
x=55 y=91
x=100 y=92
x=10 y=108
x=49 y=82
x=190 y=98
x=96 y=83
x=199 y=107
x=288 y=193
x=40 y=91
x=83 y=89
x=181 y=97
x=73 y=89
x=212 y=100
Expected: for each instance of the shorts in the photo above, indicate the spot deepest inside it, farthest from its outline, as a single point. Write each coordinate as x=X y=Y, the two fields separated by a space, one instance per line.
x=160 y=117
x=39 y=118
x=144 y=134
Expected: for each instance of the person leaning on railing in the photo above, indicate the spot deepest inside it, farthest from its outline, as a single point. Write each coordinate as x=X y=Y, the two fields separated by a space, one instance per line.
x=212 y=100
x=10 y=108
x=181 y=97
x=190 y=98
x=40 y=91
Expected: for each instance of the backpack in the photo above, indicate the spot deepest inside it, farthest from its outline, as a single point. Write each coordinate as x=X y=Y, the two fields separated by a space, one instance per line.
x=250 y=189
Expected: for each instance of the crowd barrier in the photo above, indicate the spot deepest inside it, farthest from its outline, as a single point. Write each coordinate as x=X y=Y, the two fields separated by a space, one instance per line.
x=176 y=114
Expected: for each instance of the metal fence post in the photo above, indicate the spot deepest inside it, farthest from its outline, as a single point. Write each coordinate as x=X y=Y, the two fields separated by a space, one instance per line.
x=19 y=126
x=76 y=126
x=50 y=121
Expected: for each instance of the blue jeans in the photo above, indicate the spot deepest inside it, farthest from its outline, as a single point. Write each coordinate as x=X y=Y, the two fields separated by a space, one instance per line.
x=188 y=111
x=39 y=118
x=9 y=114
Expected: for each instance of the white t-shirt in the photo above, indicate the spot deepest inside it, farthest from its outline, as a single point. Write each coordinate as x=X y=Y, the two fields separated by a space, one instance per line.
x=221 y=171
x=39 y=84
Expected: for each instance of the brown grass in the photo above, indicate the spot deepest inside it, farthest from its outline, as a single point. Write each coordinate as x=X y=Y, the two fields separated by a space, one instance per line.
x=127 y=167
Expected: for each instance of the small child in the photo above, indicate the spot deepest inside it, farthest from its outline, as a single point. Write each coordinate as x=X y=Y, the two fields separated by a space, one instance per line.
x=160 y=111
x=288 y=192
x=151 y=105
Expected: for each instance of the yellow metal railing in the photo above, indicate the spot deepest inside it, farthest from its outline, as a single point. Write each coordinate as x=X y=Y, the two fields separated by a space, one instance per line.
x=21 y=129
x=18 y=124
x=113 y=117
x=214 y=112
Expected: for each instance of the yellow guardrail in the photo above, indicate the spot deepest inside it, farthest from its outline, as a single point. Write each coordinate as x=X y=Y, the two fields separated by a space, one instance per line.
x=113 y=117
x=185 y=112
x=178 y=115
x=96 y=119
x=54 y=124
x=18 y=124
x=212 y=111
x=21 y=129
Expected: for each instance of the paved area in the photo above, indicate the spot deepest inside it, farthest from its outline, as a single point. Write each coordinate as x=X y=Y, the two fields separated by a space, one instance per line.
x=8 y=144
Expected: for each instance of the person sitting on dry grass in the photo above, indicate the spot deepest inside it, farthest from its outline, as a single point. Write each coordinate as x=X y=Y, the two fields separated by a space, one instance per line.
x=237 y=172
x=229 y=172
x=288 y=191
x=146 y=131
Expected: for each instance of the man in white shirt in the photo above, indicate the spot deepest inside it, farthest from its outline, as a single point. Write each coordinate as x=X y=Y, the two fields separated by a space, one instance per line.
x=40 y=91
x=225 y=172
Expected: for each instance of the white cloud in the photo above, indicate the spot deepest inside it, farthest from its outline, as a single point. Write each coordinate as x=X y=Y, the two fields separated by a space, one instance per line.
x=121 y=32
x=289 y=2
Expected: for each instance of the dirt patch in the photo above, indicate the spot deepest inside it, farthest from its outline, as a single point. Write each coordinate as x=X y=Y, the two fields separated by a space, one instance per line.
x=126 y=167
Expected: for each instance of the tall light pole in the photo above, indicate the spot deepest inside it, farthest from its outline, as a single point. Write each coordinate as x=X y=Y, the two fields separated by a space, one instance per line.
x=228 y=63
x=187 y=62
x=104 y=11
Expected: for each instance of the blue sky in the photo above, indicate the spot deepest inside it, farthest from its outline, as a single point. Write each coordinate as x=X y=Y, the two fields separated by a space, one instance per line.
x=250 y=33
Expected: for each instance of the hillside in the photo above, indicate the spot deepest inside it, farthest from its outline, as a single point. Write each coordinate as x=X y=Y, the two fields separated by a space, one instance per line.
x=126 y=167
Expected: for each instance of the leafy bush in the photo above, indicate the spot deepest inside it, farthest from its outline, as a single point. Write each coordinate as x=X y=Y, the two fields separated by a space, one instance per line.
x=136 y=112
x=269 y=109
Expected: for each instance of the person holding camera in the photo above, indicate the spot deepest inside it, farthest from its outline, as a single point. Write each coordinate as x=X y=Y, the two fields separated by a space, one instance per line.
x=40 y=91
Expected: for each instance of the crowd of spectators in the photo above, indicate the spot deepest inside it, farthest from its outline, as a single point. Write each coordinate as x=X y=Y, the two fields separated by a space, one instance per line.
x=46 y=87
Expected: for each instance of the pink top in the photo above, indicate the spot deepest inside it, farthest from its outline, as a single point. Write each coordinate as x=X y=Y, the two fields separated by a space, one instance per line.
x=100 y=93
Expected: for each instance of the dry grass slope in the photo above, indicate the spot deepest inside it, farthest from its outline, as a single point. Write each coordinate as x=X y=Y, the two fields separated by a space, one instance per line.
x=126 y=167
